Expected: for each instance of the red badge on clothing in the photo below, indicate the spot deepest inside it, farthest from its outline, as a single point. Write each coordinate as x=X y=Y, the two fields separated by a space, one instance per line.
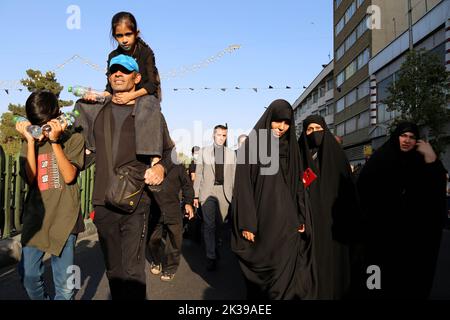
x=308 y=177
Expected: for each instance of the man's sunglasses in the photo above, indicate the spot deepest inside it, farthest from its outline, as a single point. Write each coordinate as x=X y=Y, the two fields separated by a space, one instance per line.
x=118 y=67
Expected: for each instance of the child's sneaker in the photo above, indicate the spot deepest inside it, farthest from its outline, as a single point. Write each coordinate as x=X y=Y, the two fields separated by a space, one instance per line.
x=166 y=276
x=155 y=268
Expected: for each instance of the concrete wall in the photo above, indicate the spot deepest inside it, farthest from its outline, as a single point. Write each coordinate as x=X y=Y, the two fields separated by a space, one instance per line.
x=394 y=19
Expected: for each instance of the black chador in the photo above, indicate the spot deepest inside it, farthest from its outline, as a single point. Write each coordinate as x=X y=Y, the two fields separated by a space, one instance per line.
x=332 y=212
x=266 y=204
x=405 y=202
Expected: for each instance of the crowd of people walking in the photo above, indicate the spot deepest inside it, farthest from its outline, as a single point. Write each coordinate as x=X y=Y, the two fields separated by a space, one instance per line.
x=304 y=226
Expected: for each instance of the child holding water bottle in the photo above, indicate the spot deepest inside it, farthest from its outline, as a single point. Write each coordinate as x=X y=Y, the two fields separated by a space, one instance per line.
x=52 y=211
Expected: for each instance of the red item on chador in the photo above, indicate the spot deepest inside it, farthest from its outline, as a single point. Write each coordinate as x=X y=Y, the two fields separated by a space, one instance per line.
x=92 y=215
x=308 y=177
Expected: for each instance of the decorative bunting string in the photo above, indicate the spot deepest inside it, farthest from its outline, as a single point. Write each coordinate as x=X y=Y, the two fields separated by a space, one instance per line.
x=6 y=85
x=255 y=89
x=196 y=66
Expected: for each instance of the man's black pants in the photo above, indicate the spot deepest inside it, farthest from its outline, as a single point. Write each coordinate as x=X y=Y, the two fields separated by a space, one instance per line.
x=122 y=240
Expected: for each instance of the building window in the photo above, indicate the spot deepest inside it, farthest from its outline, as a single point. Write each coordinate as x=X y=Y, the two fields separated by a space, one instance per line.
x=314 y=97
x=330 y=85
x=364 y=120
x=350 y=70
x=340 y=78
x=340 y=105
x=359 y=3
x=350 y=125
x=439 y=51
x=363 y=58
x=383 y=86
x=330 y=108
x=350 y=98
x=362 y=27
x=321 y=91
x=340 y=51
x=340 y=129
x=338 y=3
x=350 y=41
x=384 y=115
x=339 y=26
x=350 y=12
x=363 y=89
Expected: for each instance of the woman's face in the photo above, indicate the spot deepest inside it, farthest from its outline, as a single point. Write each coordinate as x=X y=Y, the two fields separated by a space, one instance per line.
x=125 y=36
x=407 y=141
x=313 y=127
x=279 y=128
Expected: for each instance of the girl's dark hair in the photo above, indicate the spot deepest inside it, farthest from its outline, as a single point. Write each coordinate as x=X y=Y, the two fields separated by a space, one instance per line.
x=126 y=17
x=41 y=107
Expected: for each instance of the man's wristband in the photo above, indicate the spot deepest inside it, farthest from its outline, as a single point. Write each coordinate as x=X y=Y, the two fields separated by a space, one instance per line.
x=53 y=141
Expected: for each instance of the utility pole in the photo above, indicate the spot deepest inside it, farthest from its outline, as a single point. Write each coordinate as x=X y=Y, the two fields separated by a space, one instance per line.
x=411 y=42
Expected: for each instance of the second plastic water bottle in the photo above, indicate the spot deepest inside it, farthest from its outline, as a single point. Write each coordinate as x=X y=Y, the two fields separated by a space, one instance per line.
x=33 y=129
x=87 y=93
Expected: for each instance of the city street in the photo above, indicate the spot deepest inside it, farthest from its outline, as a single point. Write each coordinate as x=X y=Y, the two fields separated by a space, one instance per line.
x=192 y=281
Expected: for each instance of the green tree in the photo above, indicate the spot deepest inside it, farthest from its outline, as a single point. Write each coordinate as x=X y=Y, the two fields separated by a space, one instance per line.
x=420 y=94
x=9 y=138
x=183 y=159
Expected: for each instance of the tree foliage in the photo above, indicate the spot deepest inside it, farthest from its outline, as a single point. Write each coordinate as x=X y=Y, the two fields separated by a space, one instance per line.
x=9 y=138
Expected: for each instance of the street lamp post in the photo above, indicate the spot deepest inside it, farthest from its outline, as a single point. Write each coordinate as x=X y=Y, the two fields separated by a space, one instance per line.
x=411 y=42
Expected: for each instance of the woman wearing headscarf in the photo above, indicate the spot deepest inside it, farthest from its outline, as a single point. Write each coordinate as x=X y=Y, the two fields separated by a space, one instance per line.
x=267 y=218
x=332 y=211
x=402 y=191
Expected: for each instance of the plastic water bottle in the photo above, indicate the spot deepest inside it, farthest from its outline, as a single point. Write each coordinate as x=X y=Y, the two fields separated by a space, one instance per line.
x=87 y=93
x=33 y=129
x=66 y=118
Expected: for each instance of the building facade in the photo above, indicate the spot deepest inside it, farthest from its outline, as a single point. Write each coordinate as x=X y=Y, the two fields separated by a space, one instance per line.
x=430 y=31
x=317 y=99
x=371 y=38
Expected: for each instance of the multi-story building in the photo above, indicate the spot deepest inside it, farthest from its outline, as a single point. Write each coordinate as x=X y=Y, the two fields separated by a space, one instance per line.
x=430 y=31
x=352 y=52
x=370 y=40
x=317 y=99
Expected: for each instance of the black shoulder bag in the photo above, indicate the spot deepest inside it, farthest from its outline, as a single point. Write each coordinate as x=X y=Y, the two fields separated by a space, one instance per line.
x=127 y=184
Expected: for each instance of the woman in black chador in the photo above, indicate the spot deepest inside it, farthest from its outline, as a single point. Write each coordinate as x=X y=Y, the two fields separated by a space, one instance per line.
x=267 y=218
x=332 y=212
x=402 y=190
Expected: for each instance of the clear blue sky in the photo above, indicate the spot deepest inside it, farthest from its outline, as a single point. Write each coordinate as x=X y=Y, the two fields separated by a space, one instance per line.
x=283 y=43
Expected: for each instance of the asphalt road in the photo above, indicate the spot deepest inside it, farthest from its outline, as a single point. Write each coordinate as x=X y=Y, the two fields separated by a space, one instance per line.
x=192 y=281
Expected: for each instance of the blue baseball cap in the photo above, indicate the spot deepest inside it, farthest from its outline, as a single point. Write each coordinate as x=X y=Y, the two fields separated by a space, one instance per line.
x=126 y=61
